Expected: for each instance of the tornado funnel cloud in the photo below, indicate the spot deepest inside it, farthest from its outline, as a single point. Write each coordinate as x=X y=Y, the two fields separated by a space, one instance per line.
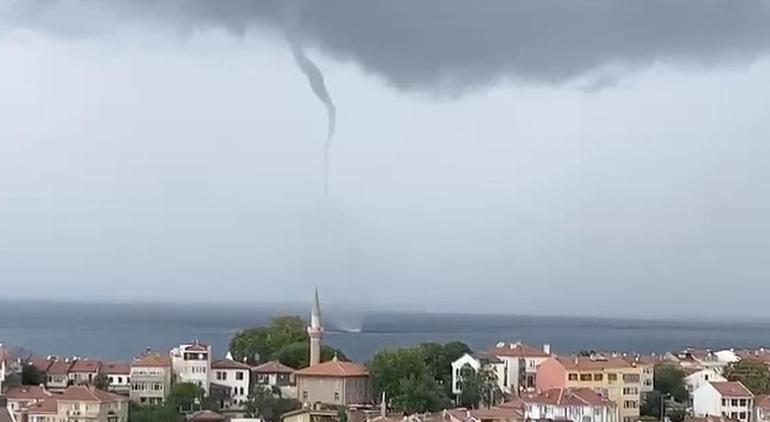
x=316 y=80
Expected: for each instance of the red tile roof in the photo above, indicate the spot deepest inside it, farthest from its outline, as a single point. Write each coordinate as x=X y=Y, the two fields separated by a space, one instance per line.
x=762 y=402
x=569 y=397
x=152 y=360
x=273 y=367
x=116 y=368
x=206 y=416
x=48 y=406
x=83 y=393
x=42 y=364
x=518 y=350
x=334 y=368
x=229 y=364
x=60 y=367
x=580 y=363
x=86 y=365
x=29 y=392
x=732 y=389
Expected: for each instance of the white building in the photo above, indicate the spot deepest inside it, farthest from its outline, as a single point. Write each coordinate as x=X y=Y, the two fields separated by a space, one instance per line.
x=576 y=405
x=235 y=378
x=275 y=374
x=761 y=409
x=118 y=376
x=521 y=362
x=729 y=399
x=490 y=363
x=192 y=363
x=3 y=365
x=694 y=380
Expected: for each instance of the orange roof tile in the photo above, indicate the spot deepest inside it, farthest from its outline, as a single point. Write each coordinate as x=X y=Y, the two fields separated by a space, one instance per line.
x=580 y=363
x=229 y=364
x=273 y=367
x=762 y=402
x=334 y=368
x=48 y=406
x=86 y=365
x=569 y=397
x=42 y=364
x=732 y=389
x=83 y=393
x=518 y=350
x=152 y=360
x=116 y=368
x=29 y=392
x=60 y=367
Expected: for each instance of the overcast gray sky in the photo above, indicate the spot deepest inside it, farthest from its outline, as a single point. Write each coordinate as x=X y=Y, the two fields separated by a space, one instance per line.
x=600 y=157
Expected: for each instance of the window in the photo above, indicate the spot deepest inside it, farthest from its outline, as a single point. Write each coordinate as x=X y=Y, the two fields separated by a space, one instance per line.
x=612 y=377
x=734 y=415
x=304 y=394
x=742 y=415
x=630 y=404
x=598 y=377
x=734 y=402
x=706 y=377
x=743 y=402
x=239 y=375
x=585 y=377
x=630 y=391
x=724 y=403
x=336 y=396
x=572 y=377
x=221 y=375
x=631 y=378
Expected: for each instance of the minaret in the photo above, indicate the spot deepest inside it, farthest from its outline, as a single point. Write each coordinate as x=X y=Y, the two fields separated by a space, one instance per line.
x=315 y=332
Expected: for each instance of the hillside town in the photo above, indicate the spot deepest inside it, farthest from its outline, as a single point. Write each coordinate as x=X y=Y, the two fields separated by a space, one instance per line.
x=509 y=382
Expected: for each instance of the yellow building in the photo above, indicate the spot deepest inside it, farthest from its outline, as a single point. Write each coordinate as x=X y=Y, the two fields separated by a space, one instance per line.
x=619 y=378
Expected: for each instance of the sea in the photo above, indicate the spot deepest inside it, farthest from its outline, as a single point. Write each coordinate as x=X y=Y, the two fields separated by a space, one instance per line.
x=119 y=331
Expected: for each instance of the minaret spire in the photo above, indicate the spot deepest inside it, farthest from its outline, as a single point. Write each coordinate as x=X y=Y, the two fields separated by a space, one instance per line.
x=315 y=332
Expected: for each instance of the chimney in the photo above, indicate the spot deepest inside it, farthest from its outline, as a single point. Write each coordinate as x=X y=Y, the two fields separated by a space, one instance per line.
x=547 y=349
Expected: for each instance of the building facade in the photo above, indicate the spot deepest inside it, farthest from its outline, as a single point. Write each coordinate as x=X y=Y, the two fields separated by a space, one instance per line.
x=728 y=399
x=619 y=378
x=118 y=375
x=83 y=403
x=150 y=377
x=83 y=371
x=275 y=374
x=192 y=363
x=576 y=405
x=696 y=379
x=58 y=375
x=334 y=382
x=235 y=377
x=520 y=363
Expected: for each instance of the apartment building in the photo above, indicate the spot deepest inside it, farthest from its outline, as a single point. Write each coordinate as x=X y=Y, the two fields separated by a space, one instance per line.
x=58 y=375
x=728 y=399
x=620 y=379
x=118 y=376
x=192 y=363
x=84 y=371
x=520 y=362
x=234 y=377
x=23 y=397
x=333 y=382
x=576 y=405
x=275 y=374
x=86 y=403
x=151 y=377
x=696 y=378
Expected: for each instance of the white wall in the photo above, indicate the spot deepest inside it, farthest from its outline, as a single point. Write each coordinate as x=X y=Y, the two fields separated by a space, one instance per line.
x=458 y=365
x=239 y=389
x=706 y=401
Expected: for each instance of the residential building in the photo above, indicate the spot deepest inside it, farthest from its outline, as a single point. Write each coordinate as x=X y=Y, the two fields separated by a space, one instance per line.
x=761 y=409
x=44 y=411
x=192 y=363
x=86 y=403
x=698 y=359
x=520 y=365
x=698 y=377
x=235 y=378
x=58 y=375
x=275 y=374
x=729 y=399
x=5 y=413
x=619 y=377
x=576 y=405
x=205 y=416
x=310 y=415
x=42 y=364
x=84 y=371
x=151 y=377
x=333 y=382
x=646 y=365
x=22 y=398
x=495 y=366
x=118 y=376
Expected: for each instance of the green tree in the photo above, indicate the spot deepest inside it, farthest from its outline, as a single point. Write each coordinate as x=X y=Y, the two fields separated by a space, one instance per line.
x=650 y=405
x=439 y=357
x=268 y=404
x=669 y=379
x=30 y=375
x=754 y=375
x=139 y=413
x=258 y=345
x=185 y=396
x=479 y=388
x=406 y=379
x=101 y=382
x=297 y=355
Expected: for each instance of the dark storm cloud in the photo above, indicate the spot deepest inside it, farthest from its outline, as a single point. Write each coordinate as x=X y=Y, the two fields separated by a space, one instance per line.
x=455 y=44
